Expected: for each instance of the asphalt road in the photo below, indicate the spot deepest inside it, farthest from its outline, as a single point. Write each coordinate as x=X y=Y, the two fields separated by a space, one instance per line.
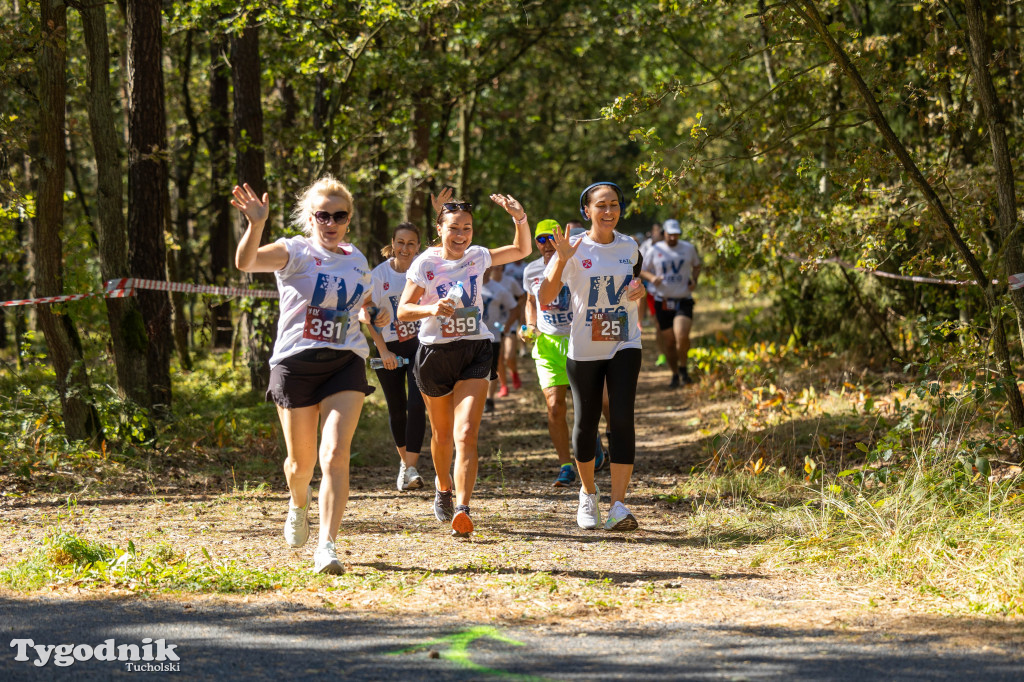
x=275 y=641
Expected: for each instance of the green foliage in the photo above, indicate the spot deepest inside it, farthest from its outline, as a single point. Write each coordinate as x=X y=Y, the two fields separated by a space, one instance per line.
x=68 y=559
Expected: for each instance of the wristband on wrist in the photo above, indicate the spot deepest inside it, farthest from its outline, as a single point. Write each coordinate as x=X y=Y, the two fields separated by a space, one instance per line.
x=520 y=222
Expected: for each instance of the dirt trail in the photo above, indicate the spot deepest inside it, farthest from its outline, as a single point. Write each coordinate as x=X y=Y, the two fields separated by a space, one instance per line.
x=528 y=562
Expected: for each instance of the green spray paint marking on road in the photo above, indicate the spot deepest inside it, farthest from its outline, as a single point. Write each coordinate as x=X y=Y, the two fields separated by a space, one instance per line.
x=456 y=649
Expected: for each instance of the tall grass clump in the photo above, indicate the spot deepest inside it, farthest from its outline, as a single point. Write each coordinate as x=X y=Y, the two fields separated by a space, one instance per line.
x=933 y=506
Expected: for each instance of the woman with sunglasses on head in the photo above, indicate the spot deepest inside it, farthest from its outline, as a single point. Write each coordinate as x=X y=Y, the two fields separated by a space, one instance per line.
x=317 y=371
x=395 y=340
x=600 y=268
x=453 y=364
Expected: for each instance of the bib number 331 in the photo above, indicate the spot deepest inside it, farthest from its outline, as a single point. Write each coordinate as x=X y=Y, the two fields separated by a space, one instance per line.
x=609 y=326
x=465 y=322
x=323 y=324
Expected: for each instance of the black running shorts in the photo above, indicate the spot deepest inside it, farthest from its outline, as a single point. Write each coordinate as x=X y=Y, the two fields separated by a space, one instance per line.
x=306 y=378
x=439 y=366
x=668 y=309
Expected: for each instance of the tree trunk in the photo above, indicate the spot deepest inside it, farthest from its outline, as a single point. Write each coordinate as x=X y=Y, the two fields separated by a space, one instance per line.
x=766 y=54
x=179 y=262
x=467 y=107
x=808 y=10
x=127 y=330
x=249 y=166
x=148 y=210
x=220 y=185
x=416 y=199
x=1006 y=212
x=81 y=421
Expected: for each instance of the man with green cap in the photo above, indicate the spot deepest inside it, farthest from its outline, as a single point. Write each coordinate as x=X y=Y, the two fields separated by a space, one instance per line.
x=548 y=326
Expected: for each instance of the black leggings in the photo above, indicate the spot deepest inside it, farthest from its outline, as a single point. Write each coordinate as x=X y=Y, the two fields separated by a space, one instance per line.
x=405 y=411
x=587 y=378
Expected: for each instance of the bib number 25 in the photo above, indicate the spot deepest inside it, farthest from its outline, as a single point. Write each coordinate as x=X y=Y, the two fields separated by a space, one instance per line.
x=609 y=326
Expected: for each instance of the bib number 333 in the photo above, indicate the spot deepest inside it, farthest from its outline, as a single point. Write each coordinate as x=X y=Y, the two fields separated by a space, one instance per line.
x=323 y=324
x=609 y=326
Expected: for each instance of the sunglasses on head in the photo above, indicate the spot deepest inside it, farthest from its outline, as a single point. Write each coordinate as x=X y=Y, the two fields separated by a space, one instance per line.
x=545 y=238
x=326 y=217
x=457 y=206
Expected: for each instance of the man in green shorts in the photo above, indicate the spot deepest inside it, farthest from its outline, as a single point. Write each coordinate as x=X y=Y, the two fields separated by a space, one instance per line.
x=548 y=326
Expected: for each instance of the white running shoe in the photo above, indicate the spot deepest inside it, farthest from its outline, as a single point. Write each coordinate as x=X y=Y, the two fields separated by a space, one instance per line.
x=620 y=518
x=296 y=526
x=409 y=478
x=588 y=516
x=325 y=559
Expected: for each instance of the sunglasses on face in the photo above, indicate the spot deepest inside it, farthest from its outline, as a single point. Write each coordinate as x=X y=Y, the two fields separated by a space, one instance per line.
x=457 y=206
x=326 y=217
x=545 y=238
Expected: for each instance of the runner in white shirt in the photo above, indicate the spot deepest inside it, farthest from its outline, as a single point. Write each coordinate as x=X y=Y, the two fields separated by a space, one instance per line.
x=406 y=412
x=499 y=315
x=673 y=266
x=604 y=344
x=453 y=363
x=507 y=360
x=548 y=327
x=656 y=236
x=317 y=370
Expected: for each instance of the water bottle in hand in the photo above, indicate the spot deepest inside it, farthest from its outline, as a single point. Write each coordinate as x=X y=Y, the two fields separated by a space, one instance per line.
x=454 y=298
x=527 y=333
x=378 y=363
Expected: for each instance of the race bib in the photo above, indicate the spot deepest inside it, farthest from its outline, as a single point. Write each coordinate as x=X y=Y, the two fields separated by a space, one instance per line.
x=326 y=325
x=406 y=330
x=670 y=304
x=609 y=326
x=464 y=322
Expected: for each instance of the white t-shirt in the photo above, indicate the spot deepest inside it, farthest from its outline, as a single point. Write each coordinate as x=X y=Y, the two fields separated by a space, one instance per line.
x=554 y=318
x=388 y=285
x=437 y=275
x=321 y=294
x=675 y=265
x=604 y=320
x=512 y=283
x=498 y=301
x=514 y=272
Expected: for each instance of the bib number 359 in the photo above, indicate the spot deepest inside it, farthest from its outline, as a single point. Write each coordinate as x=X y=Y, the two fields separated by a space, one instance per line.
x=609 y=326
x=323 y=324
x=465 y=322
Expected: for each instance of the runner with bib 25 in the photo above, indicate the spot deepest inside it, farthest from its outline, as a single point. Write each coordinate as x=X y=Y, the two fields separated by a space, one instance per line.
x=600 y=268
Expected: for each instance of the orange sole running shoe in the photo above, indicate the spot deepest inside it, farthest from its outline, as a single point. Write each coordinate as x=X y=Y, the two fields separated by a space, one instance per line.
x=462 y=525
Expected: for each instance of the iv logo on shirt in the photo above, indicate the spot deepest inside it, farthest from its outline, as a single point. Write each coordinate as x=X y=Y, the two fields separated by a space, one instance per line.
x=605 y=284
x=327 y=316
x=468 y=295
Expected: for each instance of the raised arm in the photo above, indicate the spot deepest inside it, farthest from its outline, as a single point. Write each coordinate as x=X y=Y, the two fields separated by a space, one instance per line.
x=521 y=245
x=250 y=256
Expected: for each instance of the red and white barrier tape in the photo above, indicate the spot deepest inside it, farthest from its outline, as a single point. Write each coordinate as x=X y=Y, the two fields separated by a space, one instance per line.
x=126 y=286
x=128 y=283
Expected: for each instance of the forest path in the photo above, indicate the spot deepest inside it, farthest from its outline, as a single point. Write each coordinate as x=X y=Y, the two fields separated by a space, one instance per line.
x=688 y=595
